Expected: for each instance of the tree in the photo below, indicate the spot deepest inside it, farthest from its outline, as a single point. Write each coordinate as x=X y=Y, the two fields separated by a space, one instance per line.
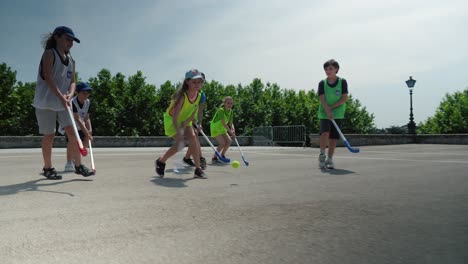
x=357 y=119
x=130 y=106
x=451 y=116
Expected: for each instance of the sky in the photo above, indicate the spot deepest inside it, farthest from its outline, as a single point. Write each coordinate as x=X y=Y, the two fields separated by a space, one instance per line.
x=378 y=44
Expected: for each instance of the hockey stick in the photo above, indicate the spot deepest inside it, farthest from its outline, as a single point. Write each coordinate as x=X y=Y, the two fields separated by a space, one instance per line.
x=93 y=167
x=242 y=154
x=345 y=141
x=220 y=157
x=83 y=151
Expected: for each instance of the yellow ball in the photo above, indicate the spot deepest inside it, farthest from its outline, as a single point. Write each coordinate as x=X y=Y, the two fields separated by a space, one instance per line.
x=235 y=164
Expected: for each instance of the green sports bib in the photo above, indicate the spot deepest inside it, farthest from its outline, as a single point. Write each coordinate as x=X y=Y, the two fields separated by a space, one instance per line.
x=332 y=96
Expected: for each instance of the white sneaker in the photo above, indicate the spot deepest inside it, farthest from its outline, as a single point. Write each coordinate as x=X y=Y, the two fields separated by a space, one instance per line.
x=330 y=164
x=69 y=167
x=322 y=162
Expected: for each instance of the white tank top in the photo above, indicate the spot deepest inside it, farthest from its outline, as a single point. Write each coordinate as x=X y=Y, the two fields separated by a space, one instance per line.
x=82 y=112
x=44 y=98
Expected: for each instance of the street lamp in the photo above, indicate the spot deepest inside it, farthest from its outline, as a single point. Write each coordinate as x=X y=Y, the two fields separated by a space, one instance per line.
x=411 y=125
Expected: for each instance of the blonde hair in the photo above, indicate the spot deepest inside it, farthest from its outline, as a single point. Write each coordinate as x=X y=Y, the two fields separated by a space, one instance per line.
x=225 y=99
x=179 y=93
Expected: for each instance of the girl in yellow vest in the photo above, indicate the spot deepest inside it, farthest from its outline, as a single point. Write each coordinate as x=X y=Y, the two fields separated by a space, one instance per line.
x=178 y=120
x=222 y=127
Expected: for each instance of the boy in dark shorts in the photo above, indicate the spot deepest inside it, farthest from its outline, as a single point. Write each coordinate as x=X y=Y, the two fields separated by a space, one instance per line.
x=333 y=93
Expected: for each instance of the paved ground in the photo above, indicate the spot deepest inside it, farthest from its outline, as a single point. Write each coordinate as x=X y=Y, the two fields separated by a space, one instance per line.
x=392 y=204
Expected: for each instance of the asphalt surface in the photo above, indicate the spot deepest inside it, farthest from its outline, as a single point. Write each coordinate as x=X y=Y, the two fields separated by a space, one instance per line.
x=387 y=204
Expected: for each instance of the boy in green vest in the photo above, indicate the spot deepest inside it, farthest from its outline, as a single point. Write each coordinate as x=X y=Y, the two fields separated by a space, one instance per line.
x=333 y=93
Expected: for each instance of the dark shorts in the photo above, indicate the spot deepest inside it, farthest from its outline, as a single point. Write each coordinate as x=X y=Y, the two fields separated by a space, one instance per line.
x=327 y=126
x=82 y=136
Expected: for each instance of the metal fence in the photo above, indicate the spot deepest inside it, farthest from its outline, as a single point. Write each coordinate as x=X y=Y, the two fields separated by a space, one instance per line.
x=263 y=136
x=268 y=135
x=290 y=134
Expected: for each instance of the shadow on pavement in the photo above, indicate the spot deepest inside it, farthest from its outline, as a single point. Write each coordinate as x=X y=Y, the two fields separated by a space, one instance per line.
x=171 y=182
x=34 y=186
x=337 y=171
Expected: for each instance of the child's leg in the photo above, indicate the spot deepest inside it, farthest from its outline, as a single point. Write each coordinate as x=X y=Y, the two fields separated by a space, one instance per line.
x=227 y=143
x=221 y=144
x=69 y=153
x=47 y=142
x=331 y=147
x=72 y=145
x=334 y=136
x=170 y=152
x=190 y=134
x=47 y=120
x=191 y=150
x=324 y=134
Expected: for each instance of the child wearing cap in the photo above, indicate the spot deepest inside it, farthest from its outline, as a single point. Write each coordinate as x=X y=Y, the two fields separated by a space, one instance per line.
x=222 y=127
x=80 y=104
x=55 y=87
x=333 y=93
x=198 y=126
x=178 y=120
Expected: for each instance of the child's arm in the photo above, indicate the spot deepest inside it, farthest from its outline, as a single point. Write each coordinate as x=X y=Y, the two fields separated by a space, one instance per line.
x=326 y=107
x=200 y=114
x=71 y=89
x=344 y=96
x=81 y=124
x=228 y=128
x=175 y=115
x=88 y=125
x=233 y=129
x=47 y=65
x=343 y=100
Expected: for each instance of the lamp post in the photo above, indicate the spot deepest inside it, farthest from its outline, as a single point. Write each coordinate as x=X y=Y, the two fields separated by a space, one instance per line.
x=411 y=125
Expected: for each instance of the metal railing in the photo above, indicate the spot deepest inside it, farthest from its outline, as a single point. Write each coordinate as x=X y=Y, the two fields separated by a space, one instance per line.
x=268 y=135
x=290 y=134
x=263 y=136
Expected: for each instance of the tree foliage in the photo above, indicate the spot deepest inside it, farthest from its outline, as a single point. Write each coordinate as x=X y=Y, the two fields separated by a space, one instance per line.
x=451 y=116
x=129 y=106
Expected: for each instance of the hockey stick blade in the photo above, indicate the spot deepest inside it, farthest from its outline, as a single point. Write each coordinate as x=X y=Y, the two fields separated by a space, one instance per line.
x=242 y=154
x=353 y=150
x=220 y=157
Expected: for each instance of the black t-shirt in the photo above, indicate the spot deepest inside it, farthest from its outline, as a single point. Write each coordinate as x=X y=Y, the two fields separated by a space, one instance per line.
x=344 y=86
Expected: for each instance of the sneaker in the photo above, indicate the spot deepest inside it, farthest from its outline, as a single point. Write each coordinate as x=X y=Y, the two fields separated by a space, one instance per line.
x=199 y=173
x=203 y=163
x=69 y=166
x=322 y=159
x=160 y=167
x=51 y=174
x=329 y=164
x=189 y=162
x=227 y=160
x=83 y=170
x=215 y=160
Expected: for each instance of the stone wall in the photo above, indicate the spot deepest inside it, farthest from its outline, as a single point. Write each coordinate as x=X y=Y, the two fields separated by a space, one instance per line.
x=108 y=142
x=354 y=139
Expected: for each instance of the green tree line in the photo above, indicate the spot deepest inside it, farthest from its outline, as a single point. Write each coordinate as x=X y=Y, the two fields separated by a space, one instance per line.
x=129 y=106
x=451 y=116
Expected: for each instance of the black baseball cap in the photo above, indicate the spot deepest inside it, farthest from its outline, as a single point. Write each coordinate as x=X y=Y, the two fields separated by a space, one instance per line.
x=67 y=31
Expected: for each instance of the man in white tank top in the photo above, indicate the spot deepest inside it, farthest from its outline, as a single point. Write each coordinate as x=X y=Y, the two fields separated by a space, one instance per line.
x=54 y=89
